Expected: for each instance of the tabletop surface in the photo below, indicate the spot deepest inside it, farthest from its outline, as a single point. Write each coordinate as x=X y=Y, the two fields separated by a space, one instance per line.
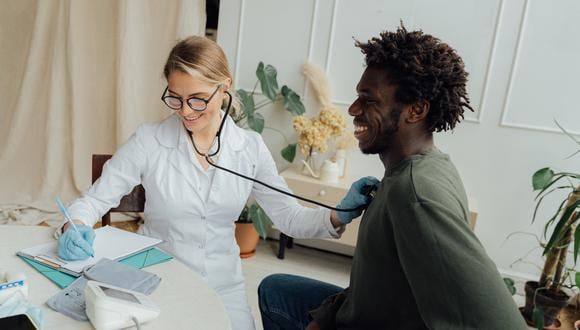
x=185 y=299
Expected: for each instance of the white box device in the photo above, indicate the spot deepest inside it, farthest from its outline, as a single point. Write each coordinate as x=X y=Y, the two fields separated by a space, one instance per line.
x=109 y=307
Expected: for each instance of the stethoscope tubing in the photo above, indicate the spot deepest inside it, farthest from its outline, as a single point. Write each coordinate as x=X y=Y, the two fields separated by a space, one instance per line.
x=210 y=161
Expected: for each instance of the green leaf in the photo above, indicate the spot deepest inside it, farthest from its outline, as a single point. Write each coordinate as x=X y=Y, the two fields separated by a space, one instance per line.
x=289 y=153
x=259 y=219
x=538 y=318
x=510 y=284
x=247 y=100
x=553 y=218
x=267 y=77
x=243 y=217
x=254 y=215
x=576 y=244
x=292 y=101
x=542 y=177
x=540 y=200
x=558 y=176
x=256 y=122
x=577 y=279
x=560 y=226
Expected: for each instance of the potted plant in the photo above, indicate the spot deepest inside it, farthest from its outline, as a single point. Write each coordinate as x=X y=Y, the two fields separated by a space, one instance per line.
x=253 y=221
x=545 y=298
x=250 y=226
x=251 y=118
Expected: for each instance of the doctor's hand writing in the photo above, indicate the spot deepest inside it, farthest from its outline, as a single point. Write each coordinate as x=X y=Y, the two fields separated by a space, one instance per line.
x=76 y=245
x=356 y=198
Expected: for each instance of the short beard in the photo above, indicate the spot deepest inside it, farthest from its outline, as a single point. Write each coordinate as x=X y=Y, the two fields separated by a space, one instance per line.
x=381 y=143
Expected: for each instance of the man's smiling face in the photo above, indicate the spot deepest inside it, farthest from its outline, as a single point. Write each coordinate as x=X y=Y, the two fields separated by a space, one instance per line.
x=376 y=112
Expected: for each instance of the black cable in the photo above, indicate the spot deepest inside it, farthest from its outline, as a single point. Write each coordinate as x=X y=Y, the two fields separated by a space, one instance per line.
x=368 y=191
x=218 y=134
x=362 y=207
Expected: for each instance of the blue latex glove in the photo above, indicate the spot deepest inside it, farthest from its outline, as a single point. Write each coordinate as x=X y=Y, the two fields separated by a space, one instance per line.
x=355 y=198
x=74 y=245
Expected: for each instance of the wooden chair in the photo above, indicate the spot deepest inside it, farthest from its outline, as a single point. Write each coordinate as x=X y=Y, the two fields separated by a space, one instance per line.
x=133 y=202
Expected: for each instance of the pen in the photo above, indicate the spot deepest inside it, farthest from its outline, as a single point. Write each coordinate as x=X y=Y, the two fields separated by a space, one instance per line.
x=67 y=216
x=64 y=212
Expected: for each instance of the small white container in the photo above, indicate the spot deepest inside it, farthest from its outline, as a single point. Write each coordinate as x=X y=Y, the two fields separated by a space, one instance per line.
x=341 y=161
x=329 y=172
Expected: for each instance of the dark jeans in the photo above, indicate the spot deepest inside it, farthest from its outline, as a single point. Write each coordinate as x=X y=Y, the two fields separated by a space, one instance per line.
x=285 y=300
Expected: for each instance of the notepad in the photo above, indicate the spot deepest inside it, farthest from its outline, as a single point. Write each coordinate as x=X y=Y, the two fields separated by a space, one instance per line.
x=110 y=242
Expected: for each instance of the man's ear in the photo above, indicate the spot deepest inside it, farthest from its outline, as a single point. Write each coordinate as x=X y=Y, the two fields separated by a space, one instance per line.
x=417 y=112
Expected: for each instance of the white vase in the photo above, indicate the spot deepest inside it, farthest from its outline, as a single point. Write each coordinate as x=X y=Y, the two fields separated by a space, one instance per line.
x=310 y=166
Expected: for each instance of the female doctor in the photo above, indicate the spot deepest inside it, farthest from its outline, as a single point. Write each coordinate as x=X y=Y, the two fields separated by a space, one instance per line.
x=190 y=204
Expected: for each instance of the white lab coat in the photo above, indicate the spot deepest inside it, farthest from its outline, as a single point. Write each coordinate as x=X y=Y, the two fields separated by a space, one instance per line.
x=196 y=224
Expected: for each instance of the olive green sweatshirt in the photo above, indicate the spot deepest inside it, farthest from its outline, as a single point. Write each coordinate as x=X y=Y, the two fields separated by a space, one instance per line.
x=417 y=265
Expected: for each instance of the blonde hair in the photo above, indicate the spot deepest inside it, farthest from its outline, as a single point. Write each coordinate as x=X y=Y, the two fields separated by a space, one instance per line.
x=203 y=59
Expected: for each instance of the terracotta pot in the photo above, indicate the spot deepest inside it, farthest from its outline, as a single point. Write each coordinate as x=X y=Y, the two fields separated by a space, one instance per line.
x=247 y=238
x=550 y=303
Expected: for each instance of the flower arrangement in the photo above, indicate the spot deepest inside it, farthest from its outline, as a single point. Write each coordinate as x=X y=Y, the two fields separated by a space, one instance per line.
x=313 y=133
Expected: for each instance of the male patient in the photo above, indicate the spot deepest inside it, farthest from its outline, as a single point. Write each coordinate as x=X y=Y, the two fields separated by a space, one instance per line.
x=417 y=265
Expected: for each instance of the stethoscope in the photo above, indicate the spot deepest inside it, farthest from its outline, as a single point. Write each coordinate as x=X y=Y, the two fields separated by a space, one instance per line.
x=208 y=156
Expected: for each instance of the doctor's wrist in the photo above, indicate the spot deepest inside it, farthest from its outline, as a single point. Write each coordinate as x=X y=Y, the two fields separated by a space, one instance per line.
x=335 y=220
x=67 y=225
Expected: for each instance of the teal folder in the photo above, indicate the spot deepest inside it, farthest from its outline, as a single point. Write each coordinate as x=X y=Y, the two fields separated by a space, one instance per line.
x=140 y=260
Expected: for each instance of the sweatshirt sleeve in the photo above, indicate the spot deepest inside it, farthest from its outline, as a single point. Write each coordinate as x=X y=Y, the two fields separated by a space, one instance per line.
x=453 y=281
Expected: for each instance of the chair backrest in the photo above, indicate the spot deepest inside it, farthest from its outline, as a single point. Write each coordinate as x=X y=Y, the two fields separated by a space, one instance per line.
x=133 y=202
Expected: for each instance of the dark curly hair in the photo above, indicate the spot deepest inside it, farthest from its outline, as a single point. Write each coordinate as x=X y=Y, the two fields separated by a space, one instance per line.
x=424 y=69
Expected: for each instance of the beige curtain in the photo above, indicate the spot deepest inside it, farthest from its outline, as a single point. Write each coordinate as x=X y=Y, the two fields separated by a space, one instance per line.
x=78 y=77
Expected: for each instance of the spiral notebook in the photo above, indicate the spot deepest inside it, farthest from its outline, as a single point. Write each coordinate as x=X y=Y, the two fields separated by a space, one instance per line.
x=110 y=242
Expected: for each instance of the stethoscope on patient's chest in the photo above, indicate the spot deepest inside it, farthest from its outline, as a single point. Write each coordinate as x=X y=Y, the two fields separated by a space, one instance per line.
x=208 y=156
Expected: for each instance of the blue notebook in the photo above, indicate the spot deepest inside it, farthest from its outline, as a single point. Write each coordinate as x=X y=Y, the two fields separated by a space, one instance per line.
x=140 y=260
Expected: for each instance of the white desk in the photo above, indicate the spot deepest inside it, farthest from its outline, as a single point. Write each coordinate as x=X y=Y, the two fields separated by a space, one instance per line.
x=185 y=300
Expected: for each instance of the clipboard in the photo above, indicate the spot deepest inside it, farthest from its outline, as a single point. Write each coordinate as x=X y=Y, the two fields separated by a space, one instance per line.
x=110 y=242
x=143 y=259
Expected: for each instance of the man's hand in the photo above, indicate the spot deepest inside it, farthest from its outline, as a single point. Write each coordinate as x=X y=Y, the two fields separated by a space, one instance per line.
x=73 y=245
x=355 y=198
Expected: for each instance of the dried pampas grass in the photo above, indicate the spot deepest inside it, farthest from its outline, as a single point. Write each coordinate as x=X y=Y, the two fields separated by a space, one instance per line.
x=319 y=81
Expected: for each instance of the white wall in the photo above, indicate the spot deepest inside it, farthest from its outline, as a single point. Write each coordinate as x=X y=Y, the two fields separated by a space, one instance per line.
x=522 y=58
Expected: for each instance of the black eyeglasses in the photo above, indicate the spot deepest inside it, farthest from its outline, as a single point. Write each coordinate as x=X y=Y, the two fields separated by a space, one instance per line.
x=195 y=103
